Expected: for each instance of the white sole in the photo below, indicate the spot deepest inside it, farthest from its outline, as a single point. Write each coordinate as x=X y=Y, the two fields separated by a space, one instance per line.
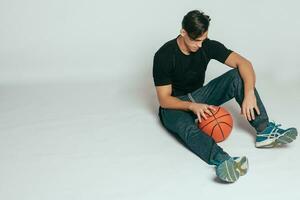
x=287 y=137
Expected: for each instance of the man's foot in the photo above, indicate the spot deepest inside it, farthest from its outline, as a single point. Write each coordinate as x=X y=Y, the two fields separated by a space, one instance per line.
x=273 y=136
x=231 y=169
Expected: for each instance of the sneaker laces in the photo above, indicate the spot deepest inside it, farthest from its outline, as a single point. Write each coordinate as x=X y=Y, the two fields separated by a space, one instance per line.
x=273 y=132
x=275 y=127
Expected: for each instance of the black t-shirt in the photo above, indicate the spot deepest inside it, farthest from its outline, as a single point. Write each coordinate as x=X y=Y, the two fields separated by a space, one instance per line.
x=186 y=73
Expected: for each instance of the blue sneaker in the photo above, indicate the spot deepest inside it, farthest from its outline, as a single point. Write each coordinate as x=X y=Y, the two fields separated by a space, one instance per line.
x=274 y=136
x=231 y=169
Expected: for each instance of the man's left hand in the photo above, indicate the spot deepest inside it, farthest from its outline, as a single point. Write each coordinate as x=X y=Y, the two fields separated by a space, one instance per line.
x=249 y=105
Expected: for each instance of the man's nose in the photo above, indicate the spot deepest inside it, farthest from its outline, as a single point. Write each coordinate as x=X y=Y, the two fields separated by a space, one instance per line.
x=199 y=44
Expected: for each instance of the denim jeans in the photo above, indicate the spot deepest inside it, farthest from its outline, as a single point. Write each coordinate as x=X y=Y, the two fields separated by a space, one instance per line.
x=182 y=124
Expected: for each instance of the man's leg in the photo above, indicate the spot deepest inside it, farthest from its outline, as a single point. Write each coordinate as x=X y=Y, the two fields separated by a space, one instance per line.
x=182 y=125
x=224 y=88
x=230 y=85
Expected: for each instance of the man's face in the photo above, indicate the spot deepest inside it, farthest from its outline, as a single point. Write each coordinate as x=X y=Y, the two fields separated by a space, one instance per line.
x=193 y=45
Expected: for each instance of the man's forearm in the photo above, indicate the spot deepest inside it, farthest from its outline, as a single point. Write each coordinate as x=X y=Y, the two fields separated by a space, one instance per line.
x=175 y=103
x=248 y=75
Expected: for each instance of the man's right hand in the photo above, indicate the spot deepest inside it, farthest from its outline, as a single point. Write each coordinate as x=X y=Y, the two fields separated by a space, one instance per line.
x=201 y=110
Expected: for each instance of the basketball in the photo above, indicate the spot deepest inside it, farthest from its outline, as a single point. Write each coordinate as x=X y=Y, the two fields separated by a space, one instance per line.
x=219 y=125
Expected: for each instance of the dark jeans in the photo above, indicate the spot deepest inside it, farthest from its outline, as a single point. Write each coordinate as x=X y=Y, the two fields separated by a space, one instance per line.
x=218 y=91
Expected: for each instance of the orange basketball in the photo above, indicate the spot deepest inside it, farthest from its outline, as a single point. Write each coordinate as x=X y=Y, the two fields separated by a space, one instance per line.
x=219 y=125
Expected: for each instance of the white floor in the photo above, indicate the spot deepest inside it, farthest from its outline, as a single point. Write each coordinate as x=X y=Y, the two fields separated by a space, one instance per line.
x=81 y=140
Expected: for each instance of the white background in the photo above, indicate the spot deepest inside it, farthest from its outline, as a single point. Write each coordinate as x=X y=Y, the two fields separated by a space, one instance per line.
x=78 y=109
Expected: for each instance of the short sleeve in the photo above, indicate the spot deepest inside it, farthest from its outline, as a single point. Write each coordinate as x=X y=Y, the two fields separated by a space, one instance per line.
x=161 y=70
x=216 y=50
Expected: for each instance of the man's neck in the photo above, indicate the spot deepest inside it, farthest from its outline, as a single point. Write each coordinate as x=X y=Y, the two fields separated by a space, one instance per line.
x=182 y=46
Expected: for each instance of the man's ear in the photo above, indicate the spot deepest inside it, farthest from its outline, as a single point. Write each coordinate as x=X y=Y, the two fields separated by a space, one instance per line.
x=182 y=32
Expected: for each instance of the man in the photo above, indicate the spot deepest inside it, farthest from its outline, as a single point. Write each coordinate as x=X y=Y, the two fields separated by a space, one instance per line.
x=179 y=72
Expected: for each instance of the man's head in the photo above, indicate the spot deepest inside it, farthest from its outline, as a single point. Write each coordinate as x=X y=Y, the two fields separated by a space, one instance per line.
x=194 y=29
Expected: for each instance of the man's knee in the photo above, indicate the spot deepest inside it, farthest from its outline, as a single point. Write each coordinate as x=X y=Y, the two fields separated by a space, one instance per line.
x=185 y=127
x=188 y=131
x=235 y=74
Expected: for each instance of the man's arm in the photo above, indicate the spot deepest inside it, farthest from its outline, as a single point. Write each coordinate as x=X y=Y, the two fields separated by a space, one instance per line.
x=247 y=73
x=168 y=101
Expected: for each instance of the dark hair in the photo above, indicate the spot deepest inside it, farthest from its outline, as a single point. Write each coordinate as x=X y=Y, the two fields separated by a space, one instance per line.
x=195 y=23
